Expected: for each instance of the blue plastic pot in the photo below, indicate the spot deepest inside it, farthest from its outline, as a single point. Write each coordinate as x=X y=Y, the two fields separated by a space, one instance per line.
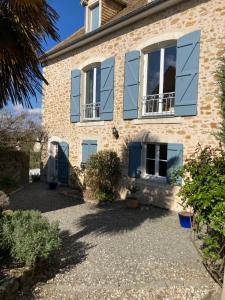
x=185 y=219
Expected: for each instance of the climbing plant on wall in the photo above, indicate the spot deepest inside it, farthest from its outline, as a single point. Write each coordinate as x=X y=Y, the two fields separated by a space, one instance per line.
x=221 y=80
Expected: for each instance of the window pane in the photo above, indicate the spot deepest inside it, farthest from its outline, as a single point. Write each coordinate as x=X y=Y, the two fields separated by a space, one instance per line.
x=162 y=168
x=95 y=17
x=89 y=86
x=150 y=167
x=98 y=83
x=151 y=151
x=163 y=152
x=153 y=73
x=169 y=70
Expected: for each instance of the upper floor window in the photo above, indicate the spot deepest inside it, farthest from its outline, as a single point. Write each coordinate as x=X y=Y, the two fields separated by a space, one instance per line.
x=92 y=93
x=93 y=16
x=159 y=81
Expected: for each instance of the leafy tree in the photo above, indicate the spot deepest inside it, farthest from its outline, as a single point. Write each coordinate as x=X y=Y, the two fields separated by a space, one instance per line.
x=24 y=24
x=20 y=131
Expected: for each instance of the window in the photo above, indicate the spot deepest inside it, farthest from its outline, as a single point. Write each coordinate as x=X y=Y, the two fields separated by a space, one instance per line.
x=159 y=81
x=89 y=147
x=92 y=93
x=155 y=160
x=94 y=17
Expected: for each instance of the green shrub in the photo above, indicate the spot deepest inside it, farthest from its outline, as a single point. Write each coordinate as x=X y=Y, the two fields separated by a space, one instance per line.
x=103 y=174
x=204 y=191
x=104 y=196
x=29 y=236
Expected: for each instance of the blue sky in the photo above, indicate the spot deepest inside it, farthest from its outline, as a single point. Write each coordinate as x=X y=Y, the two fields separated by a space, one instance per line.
x=71 y=18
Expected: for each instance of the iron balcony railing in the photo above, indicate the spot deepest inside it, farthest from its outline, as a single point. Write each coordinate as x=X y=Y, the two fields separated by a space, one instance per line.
x=91 y=111
x=158 y=104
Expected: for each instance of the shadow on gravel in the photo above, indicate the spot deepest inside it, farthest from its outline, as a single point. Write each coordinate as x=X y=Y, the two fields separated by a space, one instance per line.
x=72 y=253
x=117 y=219
x=37 y=196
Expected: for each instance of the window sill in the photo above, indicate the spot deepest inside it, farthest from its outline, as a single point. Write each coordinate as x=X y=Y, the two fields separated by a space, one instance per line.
x=91 y=123
x=153 y=181
x=160 y=119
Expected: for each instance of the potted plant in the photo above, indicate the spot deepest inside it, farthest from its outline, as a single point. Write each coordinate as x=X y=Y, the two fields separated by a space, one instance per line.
x=185 y=215
x=131 y=200
x=53 y=183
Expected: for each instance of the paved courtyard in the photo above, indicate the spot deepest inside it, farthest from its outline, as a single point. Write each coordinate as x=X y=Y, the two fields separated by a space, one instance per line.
x=116 y=253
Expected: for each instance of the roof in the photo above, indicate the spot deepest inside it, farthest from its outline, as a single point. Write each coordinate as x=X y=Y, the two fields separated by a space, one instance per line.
x=132 y=5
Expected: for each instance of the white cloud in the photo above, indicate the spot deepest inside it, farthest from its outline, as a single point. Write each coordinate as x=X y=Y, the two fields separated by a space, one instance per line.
x=31 y=111
x=34 y=111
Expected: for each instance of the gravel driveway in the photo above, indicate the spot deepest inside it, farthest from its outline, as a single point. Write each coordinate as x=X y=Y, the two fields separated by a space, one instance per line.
x=117 y=253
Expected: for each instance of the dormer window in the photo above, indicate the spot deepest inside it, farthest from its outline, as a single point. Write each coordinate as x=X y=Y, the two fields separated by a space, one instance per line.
x=93 y=16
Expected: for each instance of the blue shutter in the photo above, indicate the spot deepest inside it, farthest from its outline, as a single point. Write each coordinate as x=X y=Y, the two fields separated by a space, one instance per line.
x=131 y=85
x=107 y=89
x=188 y=48
x=134 y=159
x=89 y=147
x=174 y=160
x=95 y=17
x=75 y=96
x=63 y=163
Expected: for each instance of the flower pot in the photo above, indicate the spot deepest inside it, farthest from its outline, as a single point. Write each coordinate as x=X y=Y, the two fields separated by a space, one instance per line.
x=52 y=185
x=132 y=202
x=185 y=219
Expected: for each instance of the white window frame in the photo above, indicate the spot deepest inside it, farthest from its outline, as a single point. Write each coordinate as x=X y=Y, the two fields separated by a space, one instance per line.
x=156 y=176
x=161 y=80
x=94 y=94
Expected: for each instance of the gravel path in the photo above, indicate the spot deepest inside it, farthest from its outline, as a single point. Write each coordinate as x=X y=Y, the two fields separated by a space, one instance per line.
x=117 y=253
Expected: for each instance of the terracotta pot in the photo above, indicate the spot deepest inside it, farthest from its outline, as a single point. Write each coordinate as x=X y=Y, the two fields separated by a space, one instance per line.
x=132 y=202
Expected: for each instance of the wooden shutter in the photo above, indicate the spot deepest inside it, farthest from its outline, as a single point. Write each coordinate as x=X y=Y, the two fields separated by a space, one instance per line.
x=134 y=159
x=174 y=160
x=75 y=96
x=187 y=73
x=131 y=85
x=107 y=89
x=63 y=163
x=89 y=147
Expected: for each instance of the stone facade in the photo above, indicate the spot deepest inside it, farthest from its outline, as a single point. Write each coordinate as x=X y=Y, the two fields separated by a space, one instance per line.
x=205 y=15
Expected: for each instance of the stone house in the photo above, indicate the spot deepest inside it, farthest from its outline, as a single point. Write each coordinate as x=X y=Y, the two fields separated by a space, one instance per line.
x=139 y=79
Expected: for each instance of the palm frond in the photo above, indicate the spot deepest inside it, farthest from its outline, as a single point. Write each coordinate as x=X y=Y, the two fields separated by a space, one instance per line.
x=23 y=26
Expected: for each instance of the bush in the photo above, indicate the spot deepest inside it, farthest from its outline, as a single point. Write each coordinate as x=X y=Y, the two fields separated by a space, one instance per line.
x=103 y=174
x=29 y=236
x=204 y=191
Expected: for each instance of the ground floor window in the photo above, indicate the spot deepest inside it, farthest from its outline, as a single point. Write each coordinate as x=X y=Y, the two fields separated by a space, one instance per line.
x=155 y=159
x=89 y=147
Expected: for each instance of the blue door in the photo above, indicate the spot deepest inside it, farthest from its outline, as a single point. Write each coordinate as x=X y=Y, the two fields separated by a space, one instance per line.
x=63 y=163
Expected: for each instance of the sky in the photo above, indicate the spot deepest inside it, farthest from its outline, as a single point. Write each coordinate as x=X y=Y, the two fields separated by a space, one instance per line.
x=71 y=18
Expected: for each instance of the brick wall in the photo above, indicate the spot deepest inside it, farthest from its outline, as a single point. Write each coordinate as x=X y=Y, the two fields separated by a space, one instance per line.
x=206 y=15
